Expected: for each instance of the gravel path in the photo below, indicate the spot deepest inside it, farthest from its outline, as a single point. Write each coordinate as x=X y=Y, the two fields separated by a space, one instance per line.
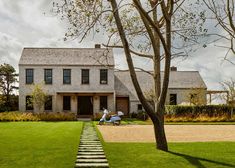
x=175 y=133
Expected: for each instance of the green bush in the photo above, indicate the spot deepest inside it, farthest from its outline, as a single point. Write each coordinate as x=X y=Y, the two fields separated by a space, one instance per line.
x=208 y=110
x=142 y=115
x=50 y=116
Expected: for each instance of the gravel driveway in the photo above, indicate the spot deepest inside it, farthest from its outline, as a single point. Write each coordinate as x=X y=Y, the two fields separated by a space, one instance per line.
x=175 y=133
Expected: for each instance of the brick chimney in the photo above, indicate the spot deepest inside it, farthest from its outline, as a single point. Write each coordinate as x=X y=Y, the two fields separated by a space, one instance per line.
x=173 y=68
x=97 y=46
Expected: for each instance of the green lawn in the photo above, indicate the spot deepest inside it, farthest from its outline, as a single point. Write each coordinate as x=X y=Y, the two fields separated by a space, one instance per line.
x=181 y=155
x=39 y=144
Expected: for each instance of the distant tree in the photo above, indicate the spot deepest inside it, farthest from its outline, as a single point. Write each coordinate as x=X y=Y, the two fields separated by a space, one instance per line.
x=223 y=12
x=7 y=82
x=229 y=86
x=38 y=97
x=195 y=96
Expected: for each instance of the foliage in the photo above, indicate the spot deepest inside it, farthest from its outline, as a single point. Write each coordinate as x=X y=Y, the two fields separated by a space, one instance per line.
x=14 y=103
x=229 y=86
x=39 y=144
x=142 y=115
x=188 y=155
x=210 y=110
x=7 y=82
x=38 y=97
x=51 y=116
x=222 y=12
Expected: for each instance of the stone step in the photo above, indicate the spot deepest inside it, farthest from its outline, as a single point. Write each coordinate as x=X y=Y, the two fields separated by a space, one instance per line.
x=91 y=165
x=91 y=150
x=90 y=147
x=90 y=143
x=90 y=153
x=91 y=156
x=92 y=160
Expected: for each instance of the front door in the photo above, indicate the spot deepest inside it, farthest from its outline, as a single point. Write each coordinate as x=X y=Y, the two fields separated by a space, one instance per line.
x=122 y=104
x=85 y=105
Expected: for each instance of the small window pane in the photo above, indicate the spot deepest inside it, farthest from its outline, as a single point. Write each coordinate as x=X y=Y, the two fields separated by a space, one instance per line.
x=29 y=76
x=67 y=76
x=103 y=102
x=48 y=76
x=85 y=76
x=29 y=103
x=48 y=103
x=140 y=107
x=66 y=103
x=173 y=99
x=103 y=76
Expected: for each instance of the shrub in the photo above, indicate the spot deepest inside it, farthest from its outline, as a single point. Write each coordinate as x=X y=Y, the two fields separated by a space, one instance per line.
x=142 y=115
x=51 y=116
x=56 y=116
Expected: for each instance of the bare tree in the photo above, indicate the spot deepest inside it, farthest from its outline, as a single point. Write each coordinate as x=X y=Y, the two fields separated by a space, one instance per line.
x=144 y=29
x=229 y=86
x=223 y=12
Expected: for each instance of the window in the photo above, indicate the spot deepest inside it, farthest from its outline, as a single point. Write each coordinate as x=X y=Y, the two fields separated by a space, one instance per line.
x=173 y=99
x=140 y=107
x=48 y=76
x=103 y=76
x=29 y=103
x=48 y=103
x=66 y=103
x=29 y=76
x=66 y=76
x=103 y=102
x=85 y=76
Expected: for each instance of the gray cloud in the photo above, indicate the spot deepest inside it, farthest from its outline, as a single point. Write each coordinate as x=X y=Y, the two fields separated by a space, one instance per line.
x=24 y=24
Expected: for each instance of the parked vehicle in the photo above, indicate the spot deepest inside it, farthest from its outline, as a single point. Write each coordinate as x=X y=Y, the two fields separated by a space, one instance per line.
x=115 y=119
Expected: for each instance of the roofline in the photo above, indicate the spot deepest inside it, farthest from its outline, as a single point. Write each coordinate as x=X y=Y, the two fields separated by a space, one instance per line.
x=64 y=65
x=151 y=71
x=63 y=48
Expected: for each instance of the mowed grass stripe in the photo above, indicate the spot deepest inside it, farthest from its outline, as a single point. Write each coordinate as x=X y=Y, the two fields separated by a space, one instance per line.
x=39 y=144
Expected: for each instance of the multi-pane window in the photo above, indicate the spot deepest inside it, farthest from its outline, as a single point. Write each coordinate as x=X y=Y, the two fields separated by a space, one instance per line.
x=103 y=76
x=66 y=76
x=66 y=102
x=29 y=76
x=48 y=103
x=140 y=107
x=173 y=99
x=103 y=102
x=29 y=103
x=48 y=76
x=85 y=76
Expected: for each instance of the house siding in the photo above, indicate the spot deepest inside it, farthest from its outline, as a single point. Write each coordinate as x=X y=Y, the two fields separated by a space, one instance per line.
x=76 y=86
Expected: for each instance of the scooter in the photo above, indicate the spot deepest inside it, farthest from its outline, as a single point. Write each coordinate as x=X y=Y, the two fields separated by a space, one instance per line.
x=115 y=119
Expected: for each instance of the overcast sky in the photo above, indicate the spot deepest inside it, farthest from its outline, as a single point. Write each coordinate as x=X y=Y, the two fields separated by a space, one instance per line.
x=24 y=24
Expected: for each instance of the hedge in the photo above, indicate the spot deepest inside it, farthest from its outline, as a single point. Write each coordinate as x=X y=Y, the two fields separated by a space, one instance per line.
x=50 y=116
x=209 y=110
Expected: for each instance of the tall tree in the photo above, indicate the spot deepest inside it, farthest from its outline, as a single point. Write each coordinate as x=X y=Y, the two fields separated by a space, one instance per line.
x=142 y=28
x=7 y=82
x=223 y=12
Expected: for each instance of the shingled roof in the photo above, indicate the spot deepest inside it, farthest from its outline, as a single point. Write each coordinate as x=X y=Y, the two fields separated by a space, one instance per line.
x=67 y=56
x=178 y=80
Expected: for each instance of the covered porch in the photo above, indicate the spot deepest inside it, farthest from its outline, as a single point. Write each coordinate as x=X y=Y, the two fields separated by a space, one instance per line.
x=84 y=104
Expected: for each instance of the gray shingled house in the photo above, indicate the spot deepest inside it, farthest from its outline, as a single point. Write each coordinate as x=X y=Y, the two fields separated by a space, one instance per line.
x=83 y=80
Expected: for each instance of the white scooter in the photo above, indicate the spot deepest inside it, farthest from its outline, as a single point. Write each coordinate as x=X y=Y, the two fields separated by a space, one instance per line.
x=115 y=119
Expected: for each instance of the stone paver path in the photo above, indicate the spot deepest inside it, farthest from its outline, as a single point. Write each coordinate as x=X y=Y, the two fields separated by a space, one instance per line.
x=90 y=153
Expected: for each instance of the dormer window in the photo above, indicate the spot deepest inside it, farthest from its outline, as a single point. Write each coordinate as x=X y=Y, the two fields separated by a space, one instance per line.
x=103 y=76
